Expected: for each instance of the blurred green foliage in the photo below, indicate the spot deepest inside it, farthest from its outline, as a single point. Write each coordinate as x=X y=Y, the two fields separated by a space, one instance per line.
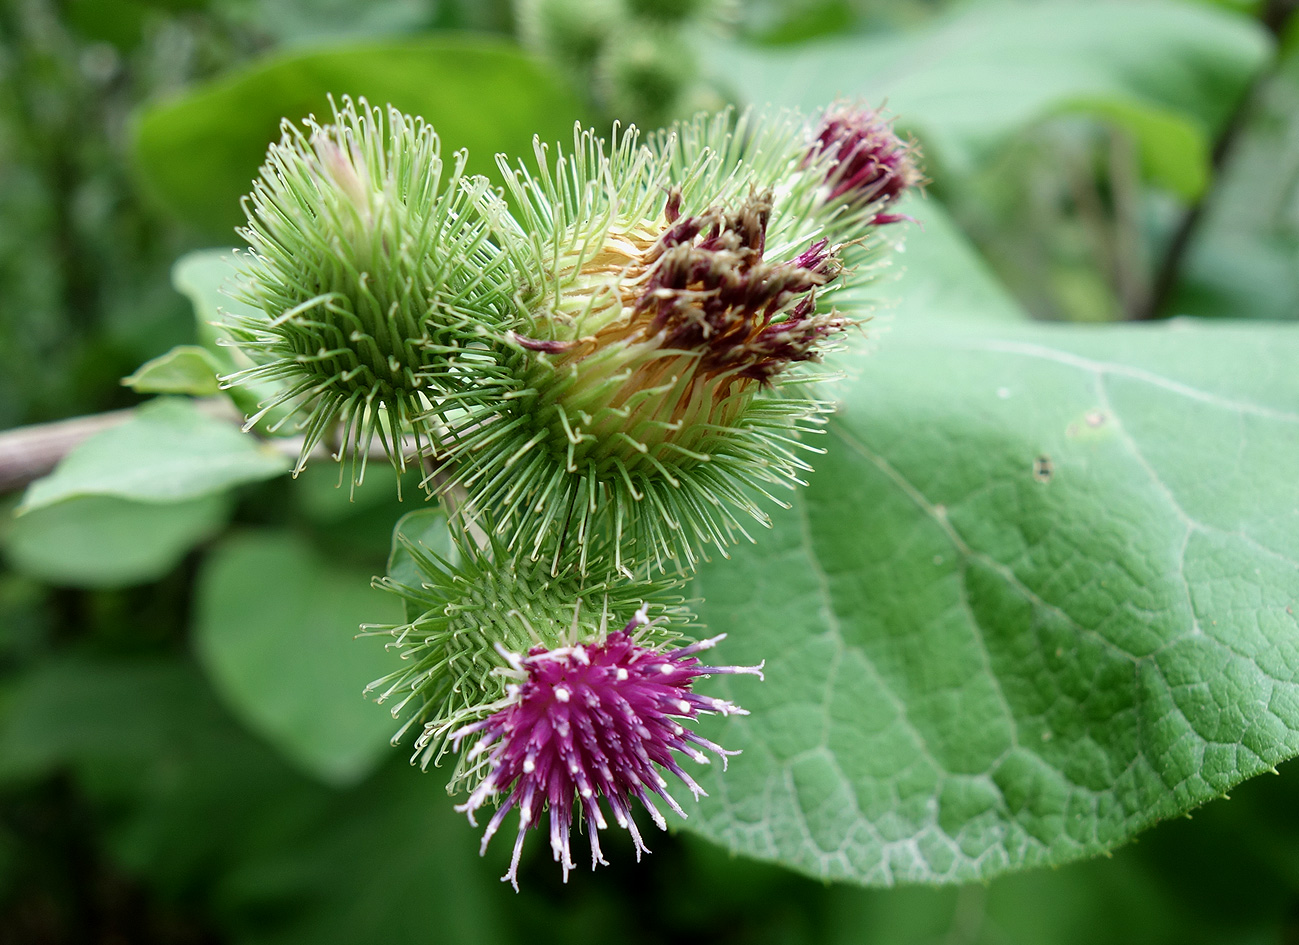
x=1240 y=257
x=183 y=759
x=200 y=153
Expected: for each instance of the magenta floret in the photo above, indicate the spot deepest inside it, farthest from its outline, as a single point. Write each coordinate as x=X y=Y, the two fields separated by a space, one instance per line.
x=588 y=722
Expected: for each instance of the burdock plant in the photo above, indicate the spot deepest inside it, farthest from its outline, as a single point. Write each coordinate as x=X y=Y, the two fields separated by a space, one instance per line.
x=603 y=367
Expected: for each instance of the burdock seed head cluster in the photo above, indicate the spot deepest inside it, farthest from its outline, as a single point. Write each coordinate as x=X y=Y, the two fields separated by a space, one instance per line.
x=603 y=368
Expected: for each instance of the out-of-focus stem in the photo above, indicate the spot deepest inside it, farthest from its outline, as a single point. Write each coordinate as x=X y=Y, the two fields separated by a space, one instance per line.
x=27 y=453
x=30 y=452
x=1275 y=17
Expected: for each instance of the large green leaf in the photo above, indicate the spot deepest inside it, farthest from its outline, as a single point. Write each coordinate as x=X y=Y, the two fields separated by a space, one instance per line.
x=936 y=272
x=200 y=152
x=1224 y=878
x=276 y=628
x=1040 y=594
x=170 y=451
x=1169 y=73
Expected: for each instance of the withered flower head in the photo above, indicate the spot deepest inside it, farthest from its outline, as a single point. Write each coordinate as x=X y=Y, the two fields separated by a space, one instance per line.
x=668 y=293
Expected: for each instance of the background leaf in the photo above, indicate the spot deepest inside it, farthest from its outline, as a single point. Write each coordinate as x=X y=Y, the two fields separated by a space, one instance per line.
x=170 y=451
x=182 y=788
x=202 y=276
x=936 y=273
x=206 y=811
x=1171 y=72
x=276 y=628
x=100 y=541
x=200 y=152
x=410 y=869
x=1041 y=594
x=185 y=369
x=426 y=528
x=1243 y=259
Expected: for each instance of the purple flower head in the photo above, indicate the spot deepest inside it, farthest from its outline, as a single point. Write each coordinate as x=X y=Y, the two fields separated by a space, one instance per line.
x=591 y=721
x=867 y=162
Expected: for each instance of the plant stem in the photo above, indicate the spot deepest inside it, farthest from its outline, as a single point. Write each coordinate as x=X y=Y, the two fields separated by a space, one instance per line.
x=1274 y=17
x=27 y=453
x=30 y=452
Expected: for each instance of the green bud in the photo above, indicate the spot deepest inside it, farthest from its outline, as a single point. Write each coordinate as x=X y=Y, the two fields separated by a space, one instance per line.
x=374 y=274
x=670 y=11
x=572 y=32
x=643 y=74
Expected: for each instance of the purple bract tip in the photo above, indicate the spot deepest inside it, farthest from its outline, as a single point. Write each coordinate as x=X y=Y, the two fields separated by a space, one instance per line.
x=591 y=721
x=869 y=162
x=711 y=290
